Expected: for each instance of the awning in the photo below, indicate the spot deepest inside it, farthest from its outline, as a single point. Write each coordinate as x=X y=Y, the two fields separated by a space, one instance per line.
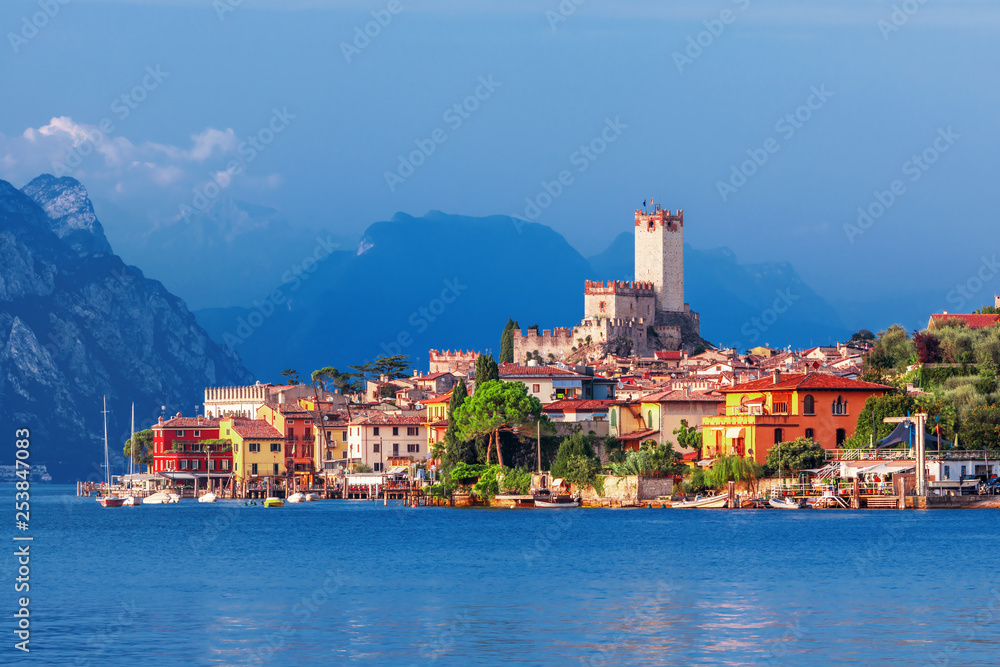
x=398 y=470
x=177 y=475
x=558 y=481
x=883 y=468
x=734 y=431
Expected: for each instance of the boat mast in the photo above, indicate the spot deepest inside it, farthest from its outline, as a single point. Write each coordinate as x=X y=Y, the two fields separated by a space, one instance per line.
x=131 y=457
x=107 y=467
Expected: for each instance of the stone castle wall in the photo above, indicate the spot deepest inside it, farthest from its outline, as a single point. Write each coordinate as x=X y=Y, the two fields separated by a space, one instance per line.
x=452 y=361
x=619 y=299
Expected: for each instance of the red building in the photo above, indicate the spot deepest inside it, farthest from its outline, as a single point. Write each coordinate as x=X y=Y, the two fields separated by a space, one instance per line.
x=296 y=424
x=176 y=446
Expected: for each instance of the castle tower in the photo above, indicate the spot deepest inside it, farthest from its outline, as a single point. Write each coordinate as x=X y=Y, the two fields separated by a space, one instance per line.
x=659 y=256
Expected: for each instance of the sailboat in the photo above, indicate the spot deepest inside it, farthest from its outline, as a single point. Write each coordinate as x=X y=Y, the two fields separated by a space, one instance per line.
x=208 y=496
x=130 y=499
x=107 y=500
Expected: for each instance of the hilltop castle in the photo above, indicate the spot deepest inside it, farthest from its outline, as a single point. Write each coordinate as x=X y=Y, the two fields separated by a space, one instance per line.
x=630 y=318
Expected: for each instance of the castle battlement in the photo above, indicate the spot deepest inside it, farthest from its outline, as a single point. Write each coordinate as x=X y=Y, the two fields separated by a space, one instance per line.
x=619 y=288
x=660 y=218
x=452 y=361
x=558 y=332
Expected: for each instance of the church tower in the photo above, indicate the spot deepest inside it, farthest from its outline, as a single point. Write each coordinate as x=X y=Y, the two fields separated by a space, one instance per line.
x=659 y=256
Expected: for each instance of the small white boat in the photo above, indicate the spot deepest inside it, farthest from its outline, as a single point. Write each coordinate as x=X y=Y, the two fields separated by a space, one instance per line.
x=788 y=504
x=208 y=498
x=719 y=501
x=297 y=498
x=110 y=501
x=174 y=498
x=158 y=498
x=130 y=501
x=548 y=504
x=312 y=497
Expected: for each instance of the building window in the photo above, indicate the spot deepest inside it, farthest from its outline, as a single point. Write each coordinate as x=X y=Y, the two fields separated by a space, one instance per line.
x=777 y=436
x=253 y=447
x=195 y=465
x=343 y=455
x=179 y=434
x=343 y=436
x=413 y=448
x=536 y=388
x=411 y=430
x=395 y=449
x=840 y=406
x=809 y=433
x=963 y=471
x=809 y=405
x=275 y=446
x=603 y=305
x=841 y=436
x=374 y=431
x=253 y=469
x=947 y=472
x=197 y=434
x=275 y=469
x=225 y=465
x=395 y=430
x=376 y=448
x=184 y=464
x=291 y=421
x=377 y=467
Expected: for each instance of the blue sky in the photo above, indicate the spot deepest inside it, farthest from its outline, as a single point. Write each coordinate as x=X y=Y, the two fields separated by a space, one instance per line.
x=223 y=76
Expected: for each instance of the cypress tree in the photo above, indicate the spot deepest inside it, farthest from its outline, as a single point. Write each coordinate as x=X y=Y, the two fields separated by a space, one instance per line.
x=456 y=450
x=507 y=342
x=486 y=370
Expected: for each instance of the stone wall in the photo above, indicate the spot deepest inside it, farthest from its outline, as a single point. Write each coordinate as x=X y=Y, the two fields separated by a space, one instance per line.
x=652 y=488
x=659 y=256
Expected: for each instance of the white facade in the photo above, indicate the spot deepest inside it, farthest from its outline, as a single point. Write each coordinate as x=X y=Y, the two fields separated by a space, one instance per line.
x=376 y=443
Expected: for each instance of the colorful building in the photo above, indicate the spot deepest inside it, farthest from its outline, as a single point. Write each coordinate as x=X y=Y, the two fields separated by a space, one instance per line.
x=654 y=416
x=781 y=408
x=177 y=446
x=385 y=441
x=258 y=449
x=295 y=423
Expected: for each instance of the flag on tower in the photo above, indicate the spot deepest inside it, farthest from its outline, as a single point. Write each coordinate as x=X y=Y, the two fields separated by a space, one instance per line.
x=644 y=203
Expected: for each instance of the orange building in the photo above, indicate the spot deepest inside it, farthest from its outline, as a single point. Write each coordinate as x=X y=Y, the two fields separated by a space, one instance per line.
x=762 y=413
x=296 y=423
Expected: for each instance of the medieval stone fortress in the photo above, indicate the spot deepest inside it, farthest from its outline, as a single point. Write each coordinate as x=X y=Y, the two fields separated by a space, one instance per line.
x=629 y=318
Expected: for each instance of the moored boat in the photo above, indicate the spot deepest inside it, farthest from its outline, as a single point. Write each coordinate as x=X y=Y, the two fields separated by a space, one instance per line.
x=208 y=498
x=111 y=501
x=788 y=504
x=129 y=501
x=312 y=497
x=297 y=498
x=158 y=498
x=274 y=502
x=719 y=501
x=104 y=499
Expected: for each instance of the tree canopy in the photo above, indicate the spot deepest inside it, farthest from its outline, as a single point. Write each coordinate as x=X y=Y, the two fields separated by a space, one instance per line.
x=575 y=460
x=495 y=406
x=486 y=370
x=141 y=450
x=507 y=342
x=795 y=455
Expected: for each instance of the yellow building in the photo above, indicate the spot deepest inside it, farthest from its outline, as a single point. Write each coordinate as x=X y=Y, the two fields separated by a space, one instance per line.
x=331 y=442
x=258 y=449
x=436 y=420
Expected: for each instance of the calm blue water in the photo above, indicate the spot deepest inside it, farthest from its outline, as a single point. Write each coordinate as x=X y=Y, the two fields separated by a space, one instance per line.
x=353 y=581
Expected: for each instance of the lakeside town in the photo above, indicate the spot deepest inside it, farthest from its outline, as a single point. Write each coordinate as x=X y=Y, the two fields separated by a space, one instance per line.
x=631 y=407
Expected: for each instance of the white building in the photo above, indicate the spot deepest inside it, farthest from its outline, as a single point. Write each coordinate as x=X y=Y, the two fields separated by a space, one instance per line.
x=384 y=441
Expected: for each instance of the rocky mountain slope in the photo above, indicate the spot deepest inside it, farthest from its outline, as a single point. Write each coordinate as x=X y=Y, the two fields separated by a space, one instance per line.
x=77 y=324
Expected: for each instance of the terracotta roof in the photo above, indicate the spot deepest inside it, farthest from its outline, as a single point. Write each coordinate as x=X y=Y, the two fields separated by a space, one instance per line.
x=639 y=435
x=513 y=370
x=434 y=400
x=256 y=428
x=974 y=321
x=189 y=422
x=576 y=405
x=800 y=381
x=390 y=420
x=441 y=423
x=668 y=355
x=431 y=376
x=691 y=456
x=678 y=395
x=287 y=408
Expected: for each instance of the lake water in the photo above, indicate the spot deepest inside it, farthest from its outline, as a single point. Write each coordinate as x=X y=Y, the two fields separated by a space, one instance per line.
x=353 y=581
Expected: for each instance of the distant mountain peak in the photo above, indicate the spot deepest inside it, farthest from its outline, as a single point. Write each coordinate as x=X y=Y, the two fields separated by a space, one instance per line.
x=71 y=212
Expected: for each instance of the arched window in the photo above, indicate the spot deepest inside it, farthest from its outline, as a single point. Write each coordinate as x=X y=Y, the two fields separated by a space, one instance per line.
x=810 y=433
x=841 y=436
x=808 y=405
x=649 y=417
x=840 y=406
x=777 y=436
